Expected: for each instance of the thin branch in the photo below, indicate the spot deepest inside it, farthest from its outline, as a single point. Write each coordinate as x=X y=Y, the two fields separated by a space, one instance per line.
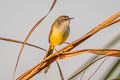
x=112 y=70
x=97 y=68
x=105 y=52
x=90 y=61
x=82 y=75
x=88 y=66
x=20 y=42
x=60 y=71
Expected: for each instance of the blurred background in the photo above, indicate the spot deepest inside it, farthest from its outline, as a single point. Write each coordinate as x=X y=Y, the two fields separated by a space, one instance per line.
x=17 y=17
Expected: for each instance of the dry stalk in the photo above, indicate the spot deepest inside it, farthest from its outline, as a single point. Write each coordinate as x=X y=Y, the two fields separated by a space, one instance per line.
x=20 y=42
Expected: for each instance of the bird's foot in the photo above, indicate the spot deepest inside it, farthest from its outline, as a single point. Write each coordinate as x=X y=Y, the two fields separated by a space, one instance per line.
x=69 y=44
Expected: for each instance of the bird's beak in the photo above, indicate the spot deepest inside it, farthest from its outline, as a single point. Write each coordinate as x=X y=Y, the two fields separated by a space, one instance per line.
x=71 y=18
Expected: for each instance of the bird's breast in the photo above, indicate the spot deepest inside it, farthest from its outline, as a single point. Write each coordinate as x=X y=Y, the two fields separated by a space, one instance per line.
x=59 y=34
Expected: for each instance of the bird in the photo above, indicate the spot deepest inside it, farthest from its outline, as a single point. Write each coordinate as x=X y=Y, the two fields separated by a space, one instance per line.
x=59 y=33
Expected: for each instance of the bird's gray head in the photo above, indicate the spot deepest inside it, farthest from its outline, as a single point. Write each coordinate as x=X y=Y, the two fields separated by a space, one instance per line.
x=63 y=19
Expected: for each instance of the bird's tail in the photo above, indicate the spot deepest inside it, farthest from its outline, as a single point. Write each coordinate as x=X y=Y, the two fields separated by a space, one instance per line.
x=49 y=52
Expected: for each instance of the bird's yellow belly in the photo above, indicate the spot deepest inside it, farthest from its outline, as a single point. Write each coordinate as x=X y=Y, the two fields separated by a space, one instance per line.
x=58 y=38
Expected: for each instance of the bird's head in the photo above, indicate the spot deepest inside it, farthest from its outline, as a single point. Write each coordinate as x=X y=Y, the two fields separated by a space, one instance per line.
x=63 y=19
